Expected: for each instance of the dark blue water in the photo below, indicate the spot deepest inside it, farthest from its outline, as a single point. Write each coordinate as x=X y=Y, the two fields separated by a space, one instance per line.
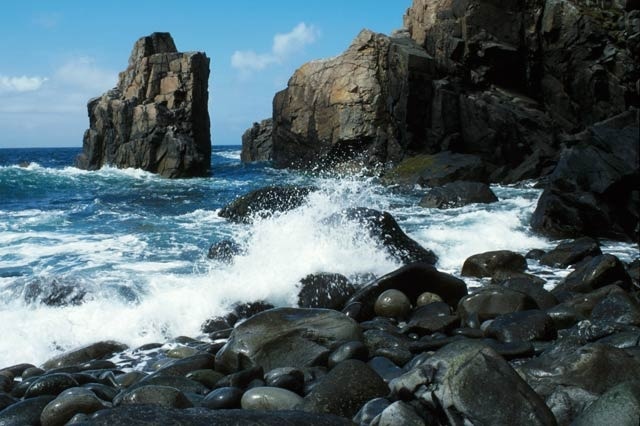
x=121 y=254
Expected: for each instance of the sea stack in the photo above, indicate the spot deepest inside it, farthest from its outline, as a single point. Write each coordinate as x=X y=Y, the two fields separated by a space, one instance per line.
x=156 y=118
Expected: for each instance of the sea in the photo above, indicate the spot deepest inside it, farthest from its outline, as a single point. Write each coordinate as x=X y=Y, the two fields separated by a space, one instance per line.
x=121 y=254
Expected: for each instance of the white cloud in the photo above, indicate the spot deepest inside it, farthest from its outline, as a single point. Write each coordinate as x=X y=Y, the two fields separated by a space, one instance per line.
x=284 y=46
x=20 y=84
x=83 y=73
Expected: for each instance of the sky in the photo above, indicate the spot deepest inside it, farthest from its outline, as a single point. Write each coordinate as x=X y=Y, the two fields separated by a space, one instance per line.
x=56 y=55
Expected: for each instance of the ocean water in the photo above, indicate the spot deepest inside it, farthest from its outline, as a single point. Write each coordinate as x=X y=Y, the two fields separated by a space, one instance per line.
x=121 y=254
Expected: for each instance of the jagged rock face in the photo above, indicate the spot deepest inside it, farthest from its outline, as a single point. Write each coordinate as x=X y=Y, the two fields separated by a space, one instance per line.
x=359 y=102
x=257 y=142
x=156 y=118
x=578 y=59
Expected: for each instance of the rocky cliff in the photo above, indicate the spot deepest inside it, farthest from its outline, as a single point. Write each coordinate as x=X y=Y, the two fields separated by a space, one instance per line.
x=156 y=118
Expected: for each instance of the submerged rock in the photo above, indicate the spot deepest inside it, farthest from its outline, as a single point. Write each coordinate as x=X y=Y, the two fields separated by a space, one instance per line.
x=264 y=202
x=489 y=263
x=458 y=194
x=156 y=118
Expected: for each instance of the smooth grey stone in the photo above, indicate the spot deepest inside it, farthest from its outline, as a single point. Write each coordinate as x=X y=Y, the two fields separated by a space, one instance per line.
x=522 y=326
x=398 y=413
x=392 y=303
x=385 y=368
x=370 y=410
x=181 y=383
x=207 y=377
x=427 y=297
x=103 y=392
x=6 y=400
x=69 y=403
x=348 y=350
x=164 y=396
x=486 y=264
x=268 y=398
x=286 y=378
x=181 y=367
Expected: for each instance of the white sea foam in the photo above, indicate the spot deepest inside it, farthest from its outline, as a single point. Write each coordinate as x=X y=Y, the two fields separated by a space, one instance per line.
x=231 y=155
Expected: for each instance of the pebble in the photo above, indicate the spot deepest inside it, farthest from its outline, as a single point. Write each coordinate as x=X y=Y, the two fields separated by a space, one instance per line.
x=268 y=398
x=392 y=304
x=223 y=398
x=427 y=297
x=51 y=384
x=70 y=402
x=164 y=396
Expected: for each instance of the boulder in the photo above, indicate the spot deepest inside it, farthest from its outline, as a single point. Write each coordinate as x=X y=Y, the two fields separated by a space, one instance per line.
x=25 y=412
x=598 y=272
x=412 y=280
x=324 y=290
x=487 y=264
x=620 y=405
x=594 y=368
x=458 y=194
x=383 y=228
x=257 y=142
x=522 y=326
x=490 y=302
x=571 y=252
x=345 y=389
x=156 y=118
x=286 y=337
x=449 y=381
x=364 y=104
x=264 y=202
x=593 y=190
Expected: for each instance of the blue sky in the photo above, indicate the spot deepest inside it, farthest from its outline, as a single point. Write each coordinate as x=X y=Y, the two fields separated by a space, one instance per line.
x=56 y=55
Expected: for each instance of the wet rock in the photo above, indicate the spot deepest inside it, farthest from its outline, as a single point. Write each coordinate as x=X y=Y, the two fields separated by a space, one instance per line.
x=543 y=298
x=54 y=292
x=223 y=398
x=16 y=370
x=619 y=308
x=426 y=298
x=286 y=378
x=183 y=384
x=571 y=252
x=332 y=396
x=243 y=378
x=492 y=301
x=487 y=264
x=385 y=368
x=181 y=367
x=431 y=318
x=412 y=280
x=511 y=350
x=69 y=403
x=264 y=202
x=270 y=398
x=157 y=117
x=384 y=229
x=598 y=272
x=104 y=392
x=398 y=413
x=51 y=384
x=392 y=304
x=224 y=251
x=326 y=290
x=522 y=326
x=437 y=169
x=206 y=377
x=286 y=337
x=348 y=350
x=84 y=354
x=163 y=396
x=458 y=194
x=593 y=190
x=370 y=410
x=148 y=415
x=594 y=368
x=448 y=381
x=620 y=405
x=622 y=340
x=25 y=412
x=6 y=400
x=257 y=142
x=391 y=345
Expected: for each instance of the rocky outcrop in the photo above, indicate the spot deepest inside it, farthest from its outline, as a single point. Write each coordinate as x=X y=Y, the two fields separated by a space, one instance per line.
x=156 y=118
x=594 y=188
x=363 y=104
x=257 y=143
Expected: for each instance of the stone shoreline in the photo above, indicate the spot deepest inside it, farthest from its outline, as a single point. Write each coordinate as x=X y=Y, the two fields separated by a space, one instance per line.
x=412 y=347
